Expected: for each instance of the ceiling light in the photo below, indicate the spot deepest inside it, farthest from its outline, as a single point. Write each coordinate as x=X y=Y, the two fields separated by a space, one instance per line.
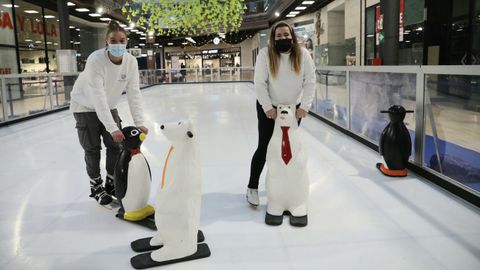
x=10 y=5
x=141 y=44
x=143 y=38
x=170 y=43
x=31 y=11
x=307 y=2
x=94 y=15
x=155 y=44
x=300 y=8
x=49 y=17
x=277 y=14
x=294 y=12
x=70 y=4
x=290 y=15
x=150 y=33
x=184 y=43
x=38 y=42
x=71 y=27
x=123 y=25
x=82 y=9
x=100 y=10
x=134 y=30
x=132 y=25
x=263 y=34
x=191 y=40
x=105 y=19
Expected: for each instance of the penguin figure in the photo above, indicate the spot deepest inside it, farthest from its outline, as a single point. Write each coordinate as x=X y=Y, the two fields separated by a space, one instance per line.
x=395 y=144
x=132 y=180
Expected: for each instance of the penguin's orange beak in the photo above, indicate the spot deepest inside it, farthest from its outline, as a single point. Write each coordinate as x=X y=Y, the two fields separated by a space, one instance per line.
x=142 y=136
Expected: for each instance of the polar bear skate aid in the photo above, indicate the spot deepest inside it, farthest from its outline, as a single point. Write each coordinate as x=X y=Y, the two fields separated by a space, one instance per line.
x=132 y=181
x=287 y=182
x=178 y=203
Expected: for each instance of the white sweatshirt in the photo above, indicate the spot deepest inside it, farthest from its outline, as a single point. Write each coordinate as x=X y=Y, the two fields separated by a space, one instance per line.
x=287 y=87
x=100 y=86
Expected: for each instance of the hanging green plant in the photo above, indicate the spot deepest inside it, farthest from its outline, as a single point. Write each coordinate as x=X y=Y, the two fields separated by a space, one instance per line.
x=186 y=17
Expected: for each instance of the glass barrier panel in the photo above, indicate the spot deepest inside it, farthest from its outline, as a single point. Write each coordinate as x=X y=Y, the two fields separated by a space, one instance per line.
x=452 y=127
x=372 y=92
x=331 y=96
x=246 y=74
x=190 y=75
x=27 y=96
x=2 y=116
x=61 y=89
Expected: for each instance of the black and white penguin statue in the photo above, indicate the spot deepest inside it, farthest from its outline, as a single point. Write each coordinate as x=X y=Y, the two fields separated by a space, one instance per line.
x=132 y=180
x=395 y=144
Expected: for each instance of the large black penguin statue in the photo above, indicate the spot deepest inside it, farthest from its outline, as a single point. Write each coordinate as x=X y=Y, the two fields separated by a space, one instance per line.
x=395 y=144
x=132 y=181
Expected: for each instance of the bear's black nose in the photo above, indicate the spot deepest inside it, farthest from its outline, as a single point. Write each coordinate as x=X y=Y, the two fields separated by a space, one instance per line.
x=284 y=112
x=162 y=127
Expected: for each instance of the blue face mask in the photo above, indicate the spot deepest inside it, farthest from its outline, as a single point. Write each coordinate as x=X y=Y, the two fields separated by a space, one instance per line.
x=117 y=50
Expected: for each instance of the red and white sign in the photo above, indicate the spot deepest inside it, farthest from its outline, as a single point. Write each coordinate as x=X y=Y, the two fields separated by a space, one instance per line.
x=30 y=29
x=402 y=19
x=379 y=24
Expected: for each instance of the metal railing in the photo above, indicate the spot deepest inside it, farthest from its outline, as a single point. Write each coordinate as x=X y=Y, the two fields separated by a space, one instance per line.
x=444 y=126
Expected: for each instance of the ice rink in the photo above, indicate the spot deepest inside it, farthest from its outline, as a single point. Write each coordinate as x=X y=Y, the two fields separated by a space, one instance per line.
x=358 y=218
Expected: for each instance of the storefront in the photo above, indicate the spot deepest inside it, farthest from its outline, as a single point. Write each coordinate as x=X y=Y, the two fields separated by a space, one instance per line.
x=212 y=58
x=30 y=36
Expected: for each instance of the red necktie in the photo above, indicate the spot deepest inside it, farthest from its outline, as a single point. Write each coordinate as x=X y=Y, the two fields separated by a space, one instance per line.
x=286 y=151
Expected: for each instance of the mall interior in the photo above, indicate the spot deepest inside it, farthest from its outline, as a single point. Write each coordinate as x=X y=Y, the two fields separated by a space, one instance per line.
x=197 y=63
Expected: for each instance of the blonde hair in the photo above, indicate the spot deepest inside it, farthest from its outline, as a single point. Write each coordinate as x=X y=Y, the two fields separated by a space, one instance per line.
x=274 y=54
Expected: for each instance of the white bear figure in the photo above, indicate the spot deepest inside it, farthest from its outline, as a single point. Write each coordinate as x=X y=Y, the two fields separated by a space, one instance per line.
x=287 y=182
x=178 y=201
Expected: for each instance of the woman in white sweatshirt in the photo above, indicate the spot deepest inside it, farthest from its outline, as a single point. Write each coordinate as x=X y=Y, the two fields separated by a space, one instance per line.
x=284 y=74
x=108 y=73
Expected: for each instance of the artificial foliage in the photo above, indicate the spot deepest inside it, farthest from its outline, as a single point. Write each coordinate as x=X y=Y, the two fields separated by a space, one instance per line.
x=185 y=17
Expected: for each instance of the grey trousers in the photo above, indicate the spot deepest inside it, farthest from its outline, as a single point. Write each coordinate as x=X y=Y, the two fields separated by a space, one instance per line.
x=90 y=129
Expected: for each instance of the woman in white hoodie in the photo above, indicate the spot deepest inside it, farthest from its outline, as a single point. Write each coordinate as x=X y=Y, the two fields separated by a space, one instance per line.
x=284 y=74
x=108 y=73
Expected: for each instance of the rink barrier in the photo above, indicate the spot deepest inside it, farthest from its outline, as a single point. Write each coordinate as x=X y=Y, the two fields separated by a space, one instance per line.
x=31 y=95
x=349 y=98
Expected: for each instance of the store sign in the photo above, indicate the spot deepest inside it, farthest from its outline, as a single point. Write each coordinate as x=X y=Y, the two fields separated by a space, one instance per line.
x=7 y=35
x=402 y=19
x=379 y=23
x=29 y=29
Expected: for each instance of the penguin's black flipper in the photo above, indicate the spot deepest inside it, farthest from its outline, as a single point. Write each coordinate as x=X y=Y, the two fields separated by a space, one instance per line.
x=145 y=260
x=143 y=244
x=121 y=174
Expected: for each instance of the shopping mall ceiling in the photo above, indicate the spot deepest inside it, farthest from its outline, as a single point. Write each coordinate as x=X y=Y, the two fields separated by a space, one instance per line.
x=258 y=15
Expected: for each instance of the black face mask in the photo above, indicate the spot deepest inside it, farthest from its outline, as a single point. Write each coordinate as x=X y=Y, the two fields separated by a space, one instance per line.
x=283 y=45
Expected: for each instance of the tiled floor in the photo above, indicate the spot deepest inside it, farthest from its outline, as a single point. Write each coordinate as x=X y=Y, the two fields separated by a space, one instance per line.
x=358 y=219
